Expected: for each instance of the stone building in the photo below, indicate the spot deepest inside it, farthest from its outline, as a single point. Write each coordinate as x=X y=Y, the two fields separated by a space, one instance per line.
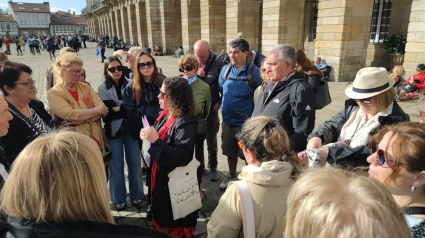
x=345 y=33
x=8 y=24
x=32 y=18
x=65 y=23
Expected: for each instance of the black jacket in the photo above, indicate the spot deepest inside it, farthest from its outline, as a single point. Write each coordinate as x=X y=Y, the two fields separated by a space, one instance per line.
x=20 y=134
x=149 y=107
x=314 y=81
x=331 y=129
x=175 y=151
x=22 y=228
x=212 y=73
x=298 y=124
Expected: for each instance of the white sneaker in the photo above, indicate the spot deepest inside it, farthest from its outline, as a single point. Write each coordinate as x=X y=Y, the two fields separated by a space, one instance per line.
x=230 y=177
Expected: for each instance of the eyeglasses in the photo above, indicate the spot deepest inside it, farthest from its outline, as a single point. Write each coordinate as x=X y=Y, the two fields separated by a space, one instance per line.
x=75 y=72
x=382 y=161
x=114 y=69
x=364 y=100
x=241 y=145
x=149 y=64
x=28 y=84
x=187 y=68
x=162 y=94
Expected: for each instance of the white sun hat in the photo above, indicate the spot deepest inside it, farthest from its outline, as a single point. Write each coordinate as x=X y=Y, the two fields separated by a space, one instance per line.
x=369 y=81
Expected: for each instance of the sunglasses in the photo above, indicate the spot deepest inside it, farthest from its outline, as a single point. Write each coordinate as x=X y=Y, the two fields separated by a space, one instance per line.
x=114 y=69
x=364 y=100
x=187 y=68
x=162 y=94
x=241 y=145
x=149 y=64
x=382 y=161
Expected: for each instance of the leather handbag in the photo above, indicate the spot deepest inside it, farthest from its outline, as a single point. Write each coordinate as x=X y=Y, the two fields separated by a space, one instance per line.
x=323 y=98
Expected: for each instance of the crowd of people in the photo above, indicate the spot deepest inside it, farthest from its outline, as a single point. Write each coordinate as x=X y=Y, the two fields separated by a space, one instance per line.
x=55 y=159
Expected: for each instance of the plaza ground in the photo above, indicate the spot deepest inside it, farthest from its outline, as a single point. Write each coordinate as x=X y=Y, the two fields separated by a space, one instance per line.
x=94 y=71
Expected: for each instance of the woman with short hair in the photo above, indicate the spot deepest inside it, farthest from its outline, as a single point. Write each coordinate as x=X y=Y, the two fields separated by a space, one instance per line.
x=57 y=189
x=119 y=137
x=30 y=119
x=336 y=203
x=74 y=102
x=398 y=162
x=172 y=138
x=271 y=171
x=343 y=139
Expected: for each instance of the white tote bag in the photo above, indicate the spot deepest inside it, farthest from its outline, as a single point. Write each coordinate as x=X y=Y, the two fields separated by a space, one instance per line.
x=247 y=208
x=184 y=190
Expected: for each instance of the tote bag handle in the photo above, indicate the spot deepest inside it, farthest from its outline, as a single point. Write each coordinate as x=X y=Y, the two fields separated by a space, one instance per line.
x=247 y=208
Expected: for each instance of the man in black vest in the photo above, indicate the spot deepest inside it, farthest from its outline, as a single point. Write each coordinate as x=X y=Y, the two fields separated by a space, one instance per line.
x=209 y=71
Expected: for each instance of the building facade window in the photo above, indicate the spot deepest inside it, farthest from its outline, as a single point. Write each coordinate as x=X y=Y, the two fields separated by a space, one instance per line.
x=32 y=20
x=315 y=16
x=380 y=21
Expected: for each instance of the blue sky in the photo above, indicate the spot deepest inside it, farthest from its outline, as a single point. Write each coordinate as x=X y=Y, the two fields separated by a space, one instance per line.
x=55 y=5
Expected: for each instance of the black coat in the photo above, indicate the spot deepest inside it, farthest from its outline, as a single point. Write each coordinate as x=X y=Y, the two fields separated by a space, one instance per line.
x=331 y=129
x=149 y=107
x=20 y=134
x=175 y=151
x=212 y=73
x=298 y=124
x=21 y=228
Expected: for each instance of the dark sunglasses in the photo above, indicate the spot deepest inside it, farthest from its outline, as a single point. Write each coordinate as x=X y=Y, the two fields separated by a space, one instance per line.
x=162 y=94
x=382 y=161
x=187 y=68
x=113 y=69
x=149 y=64
x=364 y=100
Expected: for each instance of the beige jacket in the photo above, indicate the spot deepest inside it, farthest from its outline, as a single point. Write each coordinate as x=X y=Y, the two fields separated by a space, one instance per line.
x=269 y=186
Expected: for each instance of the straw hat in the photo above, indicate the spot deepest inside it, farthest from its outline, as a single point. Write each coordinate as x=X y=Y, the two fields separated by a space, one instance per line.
x=369 y=81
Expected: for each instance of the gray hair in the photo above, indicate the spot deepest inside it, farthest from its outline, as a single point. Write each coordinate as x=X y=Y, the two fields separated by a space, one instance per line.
x=286 y=53
x=136 y=50
x=241 y=43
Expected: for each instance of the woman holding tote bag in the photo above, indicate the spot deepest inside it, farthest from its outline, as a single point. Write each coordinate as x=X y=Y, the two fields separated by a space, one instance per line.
x=172 y=138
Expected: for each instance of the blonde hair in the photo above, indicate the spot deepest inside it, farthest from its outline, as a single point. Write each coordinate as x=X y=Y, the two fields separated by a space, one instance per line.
x=3 y=57
x=338 y=203
x=188 y=59
x=383 y=100
x=58 y=177
x=399 y=70
x=64 y=61
x=268 y=141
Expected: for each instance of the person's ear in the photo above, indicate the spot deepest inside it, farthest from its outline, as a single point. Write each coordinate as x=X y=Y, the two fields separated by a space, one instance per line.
x=419 y=180
x=7 y=89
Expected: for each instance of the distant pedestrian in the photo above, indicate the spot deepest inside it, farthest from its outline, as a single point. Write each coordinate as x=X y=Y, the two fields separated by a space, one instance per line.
x=102 y=46
x=7 y=44
x=24 y=40
x=50 y=47
x=36 y=43
x=1 y=45
x=18 y=45
x=84 y=41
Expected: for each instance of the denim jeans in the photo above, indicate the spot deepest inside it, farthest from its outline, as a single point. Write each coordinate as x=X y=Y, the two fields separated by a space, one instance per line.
x=116 y=169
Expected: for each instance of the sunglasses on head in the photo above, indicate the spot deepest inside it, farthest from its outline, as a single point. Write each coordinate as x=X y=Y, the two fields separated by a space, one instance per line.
x=145 y=65
x=187 y=68
x=114 y=69
x=364 y=100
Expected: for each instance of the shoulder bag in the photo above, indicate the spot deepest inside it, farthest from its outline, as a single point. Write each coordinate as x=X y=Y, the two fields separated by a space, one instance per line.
x=323 y=98
x=247 y=208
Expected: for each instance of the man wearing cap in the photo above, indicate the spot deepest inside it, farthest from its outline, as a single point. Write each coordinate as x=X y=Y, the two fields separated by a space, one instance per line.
x=372 y=105
x=49 y=80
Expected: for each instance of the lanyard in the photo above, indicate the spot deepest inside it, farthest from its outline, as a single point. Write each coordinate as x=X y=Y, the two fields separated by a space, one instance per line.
x=160 y=124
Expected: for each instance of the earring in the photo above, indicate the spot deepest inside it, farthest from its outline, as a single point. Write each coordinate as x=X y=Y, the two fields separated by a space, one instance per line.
x=413 y=189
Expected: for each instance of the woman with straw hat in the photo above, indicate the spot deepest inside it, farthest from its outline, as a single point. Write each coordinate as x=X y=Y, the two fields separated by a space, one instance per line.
x=371 y=105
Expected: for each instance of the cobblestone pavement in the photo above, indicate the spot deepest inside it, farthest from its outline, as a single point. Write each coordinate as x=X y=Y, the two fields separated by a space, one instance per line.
x=94 y=71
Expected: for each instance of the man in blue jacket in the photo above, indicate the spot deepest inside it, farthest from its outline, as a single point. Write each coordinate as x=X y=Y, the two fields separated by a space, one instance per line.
x=236 y=85
x=255 y=57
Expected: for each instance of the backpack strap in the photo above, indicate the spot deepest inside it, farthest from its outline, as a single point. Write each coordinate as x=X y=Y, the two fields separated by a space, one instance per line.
x=249 y=73
x=226 y=73
x=247 y=208
x=292 y=97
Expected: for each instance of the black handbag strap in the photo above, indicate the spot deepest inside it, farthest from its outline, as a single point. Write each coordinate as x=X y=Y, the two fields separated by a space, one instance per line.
x=414 y=210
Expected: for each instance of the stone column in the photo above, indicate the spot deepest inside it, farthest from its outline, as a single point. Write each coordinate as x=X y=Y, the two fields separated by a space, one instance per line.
x=131 y=9
x=102 y=25
x=213 y=23
x=415 y=47
x=108 y=23
x=124 y=21
x=243 y=16
x=171 y=26
x=153 y=19
x=96 y=28
x=142 y=36
x=283 y=22
x=343 y=29
x=112 y=22
x=191 y=24
x=118 y=23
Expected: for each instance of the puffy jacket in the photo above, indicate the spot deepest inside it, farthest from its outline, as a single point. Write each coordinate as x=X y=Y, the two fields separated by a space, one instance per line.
x=22 y=228
x=331 y=130
x=149 y=107
x=299 y=123
x=237 y=102
x=175 y=151
x=211 y=77
x=269 y=185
